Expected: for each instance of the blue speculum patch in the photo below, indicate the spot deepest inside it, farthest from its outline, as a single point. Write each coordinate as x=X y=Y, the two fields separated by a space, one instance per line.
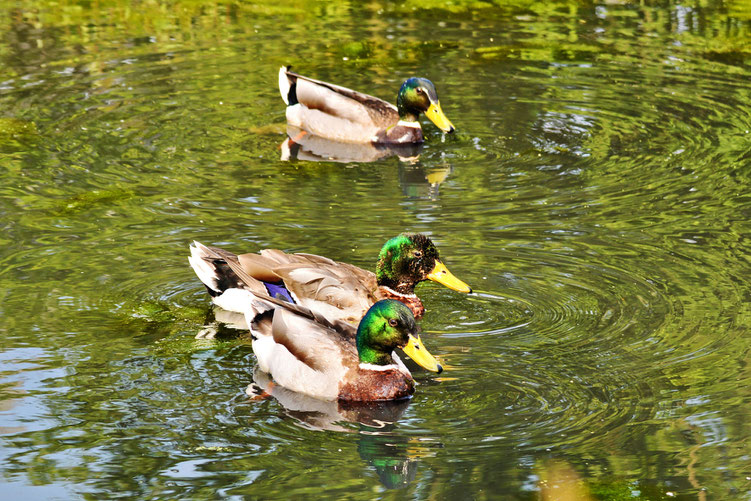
x=279 y=291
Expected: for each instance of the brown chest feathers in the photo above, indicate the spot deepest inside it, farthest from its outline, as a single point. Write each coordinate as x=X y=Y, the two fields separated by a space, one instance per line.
x=412 y=301
x=368 y=385
x=400 y=134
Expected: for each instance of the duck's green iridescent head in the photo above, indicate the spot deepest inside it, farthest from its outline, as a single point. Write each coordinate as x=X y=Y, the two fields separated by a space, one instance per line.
x=418 y=95
x=388 y=325
x=408 y=259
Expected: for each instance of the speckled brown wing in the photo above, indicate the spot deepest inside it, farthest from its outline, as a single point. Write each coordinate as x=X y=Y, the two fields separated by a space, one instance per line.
x=329 y=291
x=345 y=329
x=339 y=291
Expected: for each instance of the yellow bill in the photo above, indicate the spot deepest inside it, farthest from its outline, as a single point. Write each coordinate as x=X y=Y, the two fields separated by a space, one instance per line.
x=443 y=276
x=435 y=114
x=417 y=352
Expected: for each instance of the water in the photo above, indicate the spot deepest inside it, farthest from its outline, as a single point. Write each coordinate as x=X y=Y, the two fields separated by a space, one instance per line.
x=595 y=196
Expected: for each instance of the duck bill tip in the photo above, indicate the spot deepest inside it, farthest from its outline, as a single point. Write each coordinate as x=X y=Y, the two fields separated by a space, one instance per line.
x=443 y=276
x=420 y=355
x=435 y=114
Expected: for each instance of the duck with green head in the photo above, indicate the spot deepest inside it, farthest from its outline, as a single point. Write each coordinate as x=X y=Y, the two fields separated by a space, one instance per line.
x=338 y=291
x=308 y=354
x=341 y=114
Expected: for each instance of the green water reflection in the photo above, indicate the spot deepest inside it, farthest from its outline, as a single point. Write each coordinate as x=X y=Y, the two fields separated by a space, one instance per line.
x=595 y=195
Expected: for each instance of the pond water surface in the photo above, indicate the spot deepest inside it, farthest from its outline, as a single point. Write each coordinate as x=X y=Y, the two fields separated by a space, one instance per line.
x=595 y=196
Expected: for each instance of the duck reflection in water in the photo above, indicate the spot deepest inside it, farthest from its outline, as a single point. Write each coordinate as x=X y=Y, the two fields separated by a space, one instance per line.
x=415 y=180
x=220 y=324
x=391 y=454
x=302 y=145
x=418 y=182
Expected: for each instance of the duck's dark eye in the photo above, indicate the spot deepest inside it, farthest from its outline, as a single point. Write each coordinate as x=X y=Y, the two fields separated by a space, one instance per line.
x=393 y=322
x=418 y=254
x=420 y=91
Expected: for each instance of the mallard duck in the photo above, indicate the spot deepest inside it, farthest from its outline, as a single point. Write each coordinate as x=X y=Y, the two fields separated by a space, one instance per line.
x=307 y=353
x=339 y=291
x=334 y=112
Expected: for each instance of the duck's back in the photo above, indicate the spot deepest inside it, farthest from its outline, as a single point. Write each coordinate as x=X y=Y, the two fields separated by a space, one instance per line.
x=332 y=111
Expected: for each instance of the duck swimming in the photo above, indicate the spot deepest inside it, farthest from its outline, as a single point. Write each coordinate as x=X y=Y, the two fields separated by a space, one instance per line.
x=306 y=353
x=338 y=291
x=341 y=114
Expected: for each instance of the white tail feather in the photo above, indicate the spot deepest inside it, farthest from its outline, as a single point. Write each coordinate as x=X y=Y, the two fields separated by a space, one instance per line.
x=286 y=152
x=237 y=300
x=203 y=269
x=284 y=84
